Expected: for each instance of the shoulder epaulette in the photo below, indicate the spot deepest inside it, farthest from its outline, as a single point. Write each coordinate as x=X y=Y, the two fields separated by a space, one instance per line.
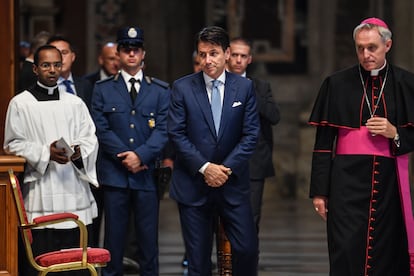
x=156 y=81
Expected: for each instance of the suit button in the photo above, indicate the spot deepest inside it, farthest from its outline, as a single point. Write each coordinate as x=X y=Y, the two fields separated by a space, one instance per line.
x=131 y=140
x=131 y=126
x=113 y=108
x=133 y=112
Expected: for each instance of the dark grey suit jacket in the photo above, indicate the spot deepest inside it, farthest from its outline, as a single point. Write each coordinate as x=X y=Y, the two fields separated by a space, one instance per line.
x=261 y=163
x=84 y=90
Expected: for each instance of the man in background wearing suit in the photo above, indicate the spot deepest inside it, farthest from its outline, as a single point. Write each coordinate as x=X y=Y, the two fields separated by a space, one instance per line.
x=261 y=164
x=130 y=114
x=213 y=124
x=68 y=82
x=108 y=61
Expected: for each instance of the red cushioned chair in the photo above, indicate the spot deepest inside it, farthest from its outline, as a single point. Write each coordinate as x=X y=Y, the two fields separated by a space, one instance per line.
x=64 y=259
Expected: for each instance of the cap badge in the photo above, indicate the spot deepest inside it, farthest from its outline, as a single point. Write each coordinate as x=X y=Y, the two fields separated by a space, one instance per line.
x=132 y=33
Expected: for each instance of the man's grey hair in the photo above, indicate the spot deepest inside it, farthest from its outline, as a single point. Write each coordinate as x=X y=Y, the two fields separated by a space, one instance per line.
x=383 y=32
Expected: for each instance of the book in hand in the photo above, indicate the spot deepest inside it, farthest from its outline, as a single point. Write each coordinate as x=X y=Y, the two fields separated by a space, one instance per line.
x=62 y=144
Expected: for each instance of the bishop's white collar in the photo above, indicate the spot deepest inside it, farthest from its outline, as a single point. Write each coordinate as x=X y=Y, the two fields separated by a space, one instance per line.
x=375 y=72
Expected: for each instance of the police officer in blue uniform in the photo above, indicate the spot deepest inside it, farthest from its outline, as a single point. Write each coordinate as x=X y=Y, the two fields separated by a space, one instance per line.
x=130 y=112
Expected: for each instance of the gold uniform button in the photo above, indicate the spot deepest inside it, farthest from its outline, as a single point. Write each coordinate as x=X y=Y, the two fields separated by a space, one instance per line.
x=133 y=112
x=131 y=126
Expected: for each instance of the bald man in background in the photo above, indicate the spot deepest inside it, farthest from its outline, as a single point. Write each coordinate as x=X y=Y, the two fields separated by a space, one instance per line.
x=108 y=61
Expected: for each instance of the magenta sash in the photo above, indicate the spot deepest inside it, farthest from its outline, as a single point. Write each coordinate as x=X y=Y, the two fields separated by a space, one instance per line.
x=360 y=141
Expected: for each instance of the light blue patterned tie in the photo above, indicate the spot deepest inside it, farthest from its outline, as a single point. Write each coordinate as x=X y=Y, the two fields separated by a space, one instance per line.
x=216 y=104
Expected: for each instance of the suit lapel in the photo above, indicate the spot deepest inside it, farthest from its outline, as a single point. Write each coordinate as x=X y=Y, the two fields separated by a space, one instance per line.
x=200 y=95
x=78 y=87
x=230 y=91
x=144 y=91
x=121 y=88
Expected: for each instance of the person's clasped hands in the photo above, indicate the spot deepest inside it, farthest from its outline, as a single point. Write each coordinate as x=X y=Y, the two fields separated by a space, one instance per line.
x=216 y=175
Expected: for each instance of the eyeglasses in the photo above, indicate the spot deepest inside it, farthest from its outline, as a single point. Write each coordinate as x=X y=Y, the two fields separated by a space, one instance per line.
x=48 y=65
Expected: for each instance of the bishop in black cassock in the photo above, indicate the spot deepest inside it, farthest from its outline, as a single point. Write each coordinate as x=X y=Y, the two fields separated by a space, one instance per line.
x=357 y=181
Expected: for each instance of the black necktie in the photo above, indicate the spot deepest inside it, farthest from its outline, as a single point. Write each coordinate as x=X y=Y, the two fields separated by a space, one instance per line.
x=133 y=92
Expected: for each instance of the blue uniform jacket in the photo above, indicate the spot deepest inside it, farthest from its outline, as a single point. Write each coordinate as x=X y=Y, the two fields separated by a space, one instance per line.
x=124 y=126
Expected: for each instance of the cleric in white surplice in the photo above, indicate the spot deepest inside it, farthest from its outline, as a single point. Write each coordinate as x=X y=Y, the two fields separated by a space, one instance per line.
x=35 y=119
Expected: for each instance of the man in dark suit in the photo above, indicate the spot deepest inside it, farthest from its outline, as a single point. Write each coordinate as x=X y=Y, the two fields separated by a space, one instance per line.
x=68 y=82
x=261 y=163
x=214 y=126
x=130 y=114
x=108 y=61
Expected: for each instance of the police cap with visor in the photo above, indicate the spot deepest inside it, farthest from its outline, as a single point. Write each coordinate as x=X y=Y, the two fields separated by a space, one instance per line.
x=130 y=36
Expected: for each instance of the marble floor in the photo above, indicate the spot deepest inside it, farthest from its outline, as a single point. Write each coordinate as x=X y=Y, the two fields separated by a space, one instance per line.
x=292 y=238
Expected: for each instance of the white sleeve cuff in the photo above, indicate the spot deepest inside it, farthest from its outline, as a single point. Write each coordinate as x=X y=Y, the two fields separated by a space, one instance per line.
x=203 y=168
